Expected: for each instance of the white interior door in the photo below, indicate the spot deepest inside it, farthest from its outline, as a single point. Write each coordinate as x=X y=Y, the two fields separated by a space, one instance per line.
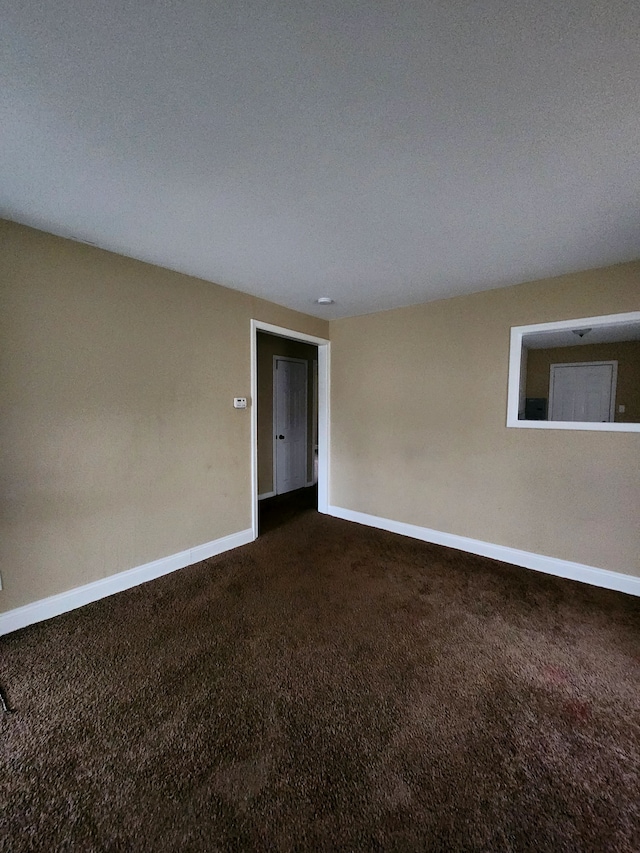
x=290 y=424
x=583 y=392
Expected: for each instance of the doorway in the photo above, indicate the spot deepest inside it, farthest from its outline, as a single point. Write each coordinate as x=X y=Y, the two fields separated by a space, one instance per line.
x=293 y=449
x=583 y=391
x=290 y=398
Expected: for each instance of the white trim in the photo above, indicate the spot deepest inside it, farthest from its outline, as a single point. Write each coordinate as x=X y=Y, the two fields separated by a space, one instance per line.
x=46 y=608
x=324 y=380
x=281 y=332
x=595 y=427
x=324 y=426
x=254 y=429
x=527 y=559
x=516 y=367
x=314 y=421
x=562 y=325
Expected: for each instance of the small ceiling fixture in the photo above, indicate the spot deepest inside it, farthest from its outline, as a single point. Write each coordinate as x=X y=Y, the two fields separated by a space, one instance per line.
x=325 y=300
x=580 y=332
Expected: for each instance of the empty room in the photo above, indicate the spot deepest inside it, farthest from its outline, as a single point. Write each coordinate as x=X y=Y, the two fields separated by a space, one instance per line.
x=320 y=426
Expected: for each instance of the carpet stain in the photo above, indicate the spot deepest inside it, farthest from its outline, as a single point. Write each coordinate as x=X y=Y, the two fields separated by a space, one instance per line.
x=555 y=675
x=578 y=712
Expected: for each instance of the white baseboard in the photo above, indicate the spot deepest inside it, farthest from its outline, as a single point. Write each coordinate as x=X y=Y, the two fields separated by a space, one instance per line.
x=46 y=608
x=527 y=559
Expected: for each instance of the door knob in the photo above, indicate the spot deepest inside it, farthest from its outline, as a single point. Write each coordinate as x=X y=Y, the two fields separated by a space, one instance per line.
x=280 y=436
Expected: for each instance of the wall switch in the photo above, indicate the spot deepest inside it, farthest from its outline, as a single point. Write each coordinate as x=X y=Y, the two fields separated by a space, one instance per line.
x=239 y=402
x=622 y=409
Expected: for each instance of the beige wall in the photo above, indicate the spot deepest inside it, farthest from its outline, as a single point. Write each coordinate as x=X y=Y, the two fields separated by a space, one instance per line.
x=626 y=353
x=120 y=443
x=418 y=402
x=268 y=346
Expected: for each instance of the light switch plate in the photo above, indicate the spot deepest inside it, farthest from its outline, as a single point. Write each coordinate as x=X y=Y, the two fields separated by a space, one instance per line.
x=239 y=402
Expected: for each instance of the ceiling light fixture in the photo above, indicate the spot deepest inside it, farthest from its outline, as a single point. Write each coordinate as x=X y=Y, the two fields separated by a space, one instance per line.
x=325 y=300
x=580 y=332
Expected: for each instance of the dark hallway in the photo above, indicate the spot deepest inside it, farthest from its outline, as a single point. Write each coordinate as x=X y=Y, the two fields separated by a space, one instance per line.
x=276 y=511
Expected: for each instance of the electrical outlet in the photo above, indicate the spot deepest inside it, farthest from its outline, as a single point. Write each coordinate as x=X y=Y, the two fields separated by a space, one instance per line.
x=622 y=409
x=239 y=402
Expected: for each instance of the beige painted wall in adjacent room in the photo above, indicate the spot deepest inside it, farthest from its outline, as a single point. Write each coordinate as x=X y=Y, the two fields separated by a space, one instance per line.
x=120 y=443
x=268 y=346
x=626 y=353
x=418 y=433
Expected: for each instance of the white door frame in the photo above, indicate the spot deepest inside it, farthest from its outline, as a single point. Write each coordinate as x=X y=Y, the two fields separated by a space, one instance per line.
x=314 y=422
x=614 y=382
x=324 y=375
x=276 y=358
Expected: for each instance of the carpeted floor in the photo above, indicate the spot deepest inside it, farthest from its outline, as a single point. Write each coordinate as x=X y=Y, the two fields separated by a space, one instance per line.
x=328 y=688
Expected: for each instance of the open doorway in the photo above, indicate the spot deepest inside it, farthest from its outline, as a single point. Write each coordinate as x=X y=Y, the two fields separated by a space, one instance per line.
x=290 y=373
x=287 y=432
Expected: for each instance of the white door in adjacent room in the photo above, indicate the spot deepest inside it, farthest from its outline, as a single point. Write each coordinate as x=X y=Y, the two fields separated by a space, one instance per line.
x=290 y=424
x=583 y=392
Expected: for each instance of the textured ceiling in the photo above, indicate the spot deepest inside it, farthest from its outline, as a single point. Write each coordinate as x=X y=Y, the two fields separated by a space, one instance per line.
x=382 y=153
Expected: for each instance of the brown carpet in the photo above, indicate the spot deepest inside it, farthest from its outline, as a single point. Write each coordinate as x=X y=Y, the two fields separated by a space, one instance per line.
x=329 y=687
